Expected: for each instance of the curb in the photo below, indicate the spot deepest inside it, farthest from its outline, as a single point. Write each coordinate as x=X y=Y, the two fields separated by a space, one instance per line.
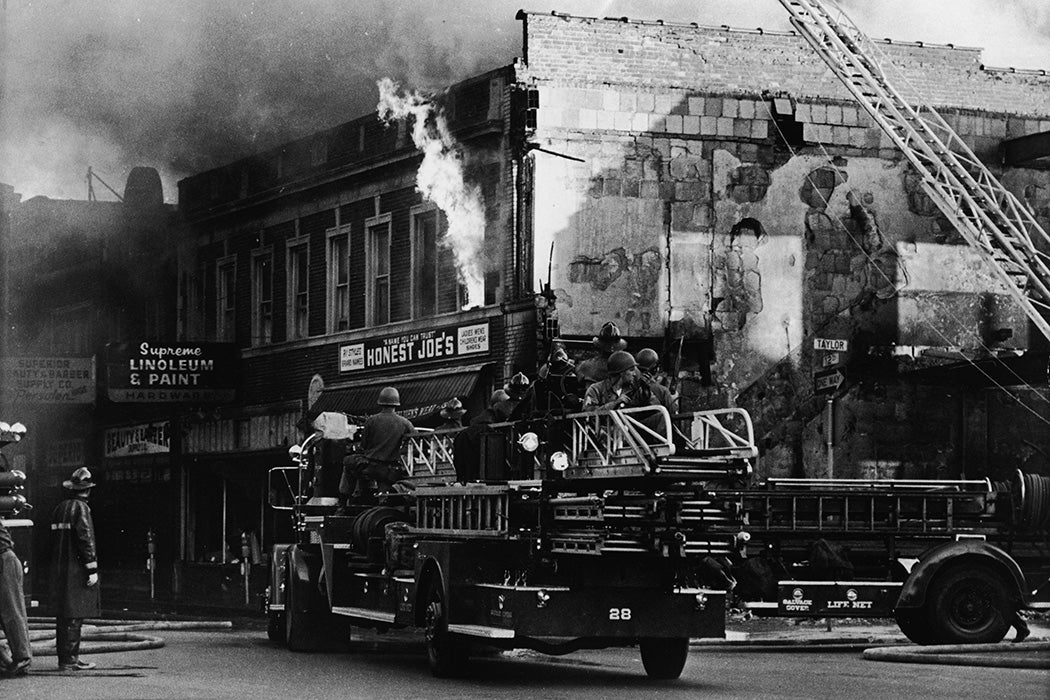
x=1000 y=655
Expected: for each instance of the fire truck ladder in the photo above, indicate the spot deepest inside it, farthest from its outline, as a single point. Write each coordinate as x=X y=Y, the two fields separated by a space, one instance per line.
x=987 y=215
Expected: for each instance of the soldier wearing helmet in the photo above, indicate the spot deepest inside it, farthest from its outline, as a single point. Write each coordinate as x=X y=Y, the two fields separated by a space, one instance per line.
x=606 y=343
x=623 y=388
x=379 y=456
x=648 y=362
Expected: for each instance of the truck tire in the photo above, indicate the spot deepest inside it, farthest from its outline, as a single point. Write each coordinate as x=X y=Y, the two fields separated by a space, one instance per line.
x=664 y=658
x=297 y=632
x=275 y=627
x=447 y=654
x=967 y=604
x=914 y=625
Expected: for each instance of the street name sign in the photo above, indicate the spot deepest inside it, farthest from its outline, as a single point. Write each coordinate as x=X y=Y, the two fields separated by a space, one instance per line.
x=832 y=344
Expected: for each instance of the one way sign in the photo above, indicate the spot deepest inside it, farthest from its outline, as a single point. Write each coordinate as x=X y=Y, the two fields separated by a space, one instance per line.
x=828 y=381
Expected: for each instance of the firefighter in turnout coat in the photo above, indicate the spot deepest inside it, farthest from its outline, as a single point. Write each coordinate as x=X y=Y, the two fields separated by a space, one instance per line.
x=75 y=585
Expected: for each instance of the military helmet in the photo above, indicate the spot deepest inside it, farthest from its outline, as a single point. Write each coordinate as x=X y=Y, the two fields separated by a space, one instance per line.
x=389 y=397
x=620 y=361
x=647 y=359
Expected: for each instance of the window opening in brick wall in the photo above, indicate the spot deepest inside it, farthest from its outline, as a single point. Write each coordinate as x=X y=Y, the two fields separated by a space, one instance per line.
x=436 y=288
x=225 y=299
x=788 y=131
x=339 y=280
x=262 y=297
x=379 y=273
x=298 y=295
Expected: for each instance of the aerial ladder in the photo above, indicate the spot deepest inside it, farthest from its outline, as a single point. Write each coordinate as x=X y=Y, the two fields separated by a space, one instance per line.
x=987 y=215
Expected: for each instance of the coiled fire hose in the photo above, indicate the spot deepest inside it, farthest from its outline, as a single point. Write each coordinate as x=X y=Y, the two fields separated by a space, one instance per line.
x=1030 y=494
x=108 y=636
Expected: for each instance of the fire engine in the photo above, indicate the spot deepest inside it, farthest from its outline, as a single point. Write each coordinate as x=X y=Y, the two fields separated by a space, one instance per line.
x=584 y=531
x=609 y=528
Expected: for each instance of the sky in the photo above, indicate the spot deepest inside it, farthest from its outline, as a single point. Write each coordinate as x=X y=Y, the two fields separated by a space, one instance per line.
x=188 y=85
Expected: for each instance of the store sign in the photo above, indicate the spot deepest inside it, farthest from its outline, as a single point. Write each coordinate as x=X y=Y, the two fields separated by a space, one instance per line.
x=64 y=453
x=417 y=346
x=172 y=372
x=144 y=439
x=48 y=379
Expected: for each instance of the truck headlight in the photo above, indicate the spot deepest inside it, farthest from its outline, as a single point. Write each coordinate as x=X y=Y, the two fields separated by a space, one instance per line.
x=559 y=461
x=530 y=442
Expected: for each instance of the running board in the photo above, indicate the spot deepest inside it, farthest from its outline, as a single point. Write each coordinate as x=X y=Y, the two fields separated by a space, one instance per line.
x=365 y=614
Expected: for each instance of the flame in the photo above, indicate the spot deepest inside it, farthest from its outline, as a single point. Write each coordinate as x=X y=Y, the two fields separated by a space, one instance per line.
x=440 y=180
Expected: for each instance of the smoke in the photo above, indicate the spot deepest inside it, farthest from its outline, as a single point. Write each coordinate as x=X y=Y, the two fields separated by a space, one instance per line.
x=188 y=86
x=440 y=180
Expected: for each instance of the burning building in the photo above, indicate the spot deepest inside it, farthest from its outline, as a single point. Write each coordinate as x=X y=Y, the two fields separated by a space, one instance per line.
x=714 y=192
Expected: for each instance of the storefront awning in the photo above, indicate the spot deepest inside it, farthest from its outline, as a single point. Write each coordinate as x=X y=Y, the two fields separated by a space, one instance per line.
x=421 y=397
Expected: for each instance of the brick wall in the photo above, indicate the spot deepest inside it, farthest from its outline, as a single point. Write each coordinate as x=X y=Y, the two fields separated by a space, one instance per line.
x=585 y=51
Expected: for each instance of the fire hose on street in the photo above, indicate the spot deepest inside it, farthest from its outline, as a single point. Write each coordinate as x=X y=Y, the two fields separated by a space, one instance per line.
x=109 y=636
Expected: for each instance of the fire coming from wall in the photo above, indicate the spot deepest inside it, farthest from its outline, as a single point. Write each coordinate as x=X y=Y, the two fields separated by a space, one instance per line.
x=440 y=180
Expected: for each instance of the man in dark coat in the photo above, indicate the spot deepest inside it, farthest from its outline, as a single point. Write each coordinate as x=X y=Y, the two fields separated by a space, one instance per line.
x=13 y=619
x=75 y=589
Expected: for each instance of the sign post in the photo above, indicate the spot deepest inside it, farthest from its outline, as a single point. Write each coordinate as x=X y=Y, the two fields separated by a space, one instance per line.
x=827 y=381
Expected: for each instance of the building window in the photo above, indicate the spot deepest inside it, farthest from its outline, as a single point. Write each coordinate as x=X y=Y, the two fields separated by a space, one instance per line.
x=225 y=288
x=436 y=288
x=71 y=330
x=298 y=295
x=378 y=303
x=339 y=280
x=262 y=298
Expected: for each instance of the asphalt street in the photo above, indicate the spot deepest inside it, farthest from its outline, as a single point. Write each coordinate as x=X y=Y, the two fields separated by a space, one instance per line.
x=242 y=663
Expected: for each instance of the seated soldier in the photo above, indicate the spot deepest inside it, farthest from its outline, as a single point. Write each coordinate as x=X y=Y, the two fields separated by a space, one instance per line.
x=379 y=458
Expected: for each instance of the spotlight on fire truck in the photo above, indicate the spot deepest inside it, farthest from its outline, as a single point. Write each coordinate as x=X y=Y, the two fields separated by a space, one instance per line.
x=559 y=461
x=530 y=442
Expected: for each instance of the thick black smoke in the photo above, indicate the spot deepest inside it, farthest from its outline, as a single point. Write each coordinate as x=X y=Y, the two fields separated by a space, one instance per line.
x=186 y=85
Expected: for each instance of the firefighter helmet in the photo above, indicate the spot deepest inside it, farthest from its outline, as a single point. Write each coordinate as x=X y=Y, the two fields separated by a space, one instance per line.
x=620 y=361
x=498 y=396
x=608 y=338
x=80 y=480
x=647 y=359
x=517 y=386
x=452 y=407
x=389 y=397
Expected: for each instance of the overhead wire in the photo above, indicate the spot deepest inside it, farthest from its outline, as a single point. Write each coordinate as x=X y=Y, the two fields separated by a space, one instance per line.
x=872 y=263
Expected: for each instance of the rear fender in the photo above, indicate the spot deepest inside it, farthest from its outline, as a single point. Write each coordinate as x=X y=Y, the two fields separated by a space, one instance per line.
x=913 y=592
x=305 y=566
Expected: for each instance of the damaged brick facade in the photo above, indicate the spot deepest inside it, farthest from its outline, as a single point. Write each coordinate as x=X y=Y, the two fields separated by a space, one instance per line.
x=727 y=190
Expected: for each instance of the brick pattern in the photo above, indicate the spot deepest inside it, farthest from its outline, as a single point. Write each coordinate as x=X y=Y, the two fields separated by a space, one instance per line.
x=584 y=51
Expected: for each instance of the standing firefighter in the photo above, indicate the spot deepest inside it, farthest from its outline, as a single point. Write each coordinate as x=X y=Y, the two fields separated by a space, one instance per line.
x=75 y=588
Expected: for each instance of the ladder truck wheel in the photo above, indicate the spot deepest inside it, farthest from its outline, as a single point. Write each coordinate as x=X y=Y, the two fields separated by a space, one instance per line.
x=275 y=627
x=914 y=626
x=447 y=653
x=967 y=604
x=664 y=658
